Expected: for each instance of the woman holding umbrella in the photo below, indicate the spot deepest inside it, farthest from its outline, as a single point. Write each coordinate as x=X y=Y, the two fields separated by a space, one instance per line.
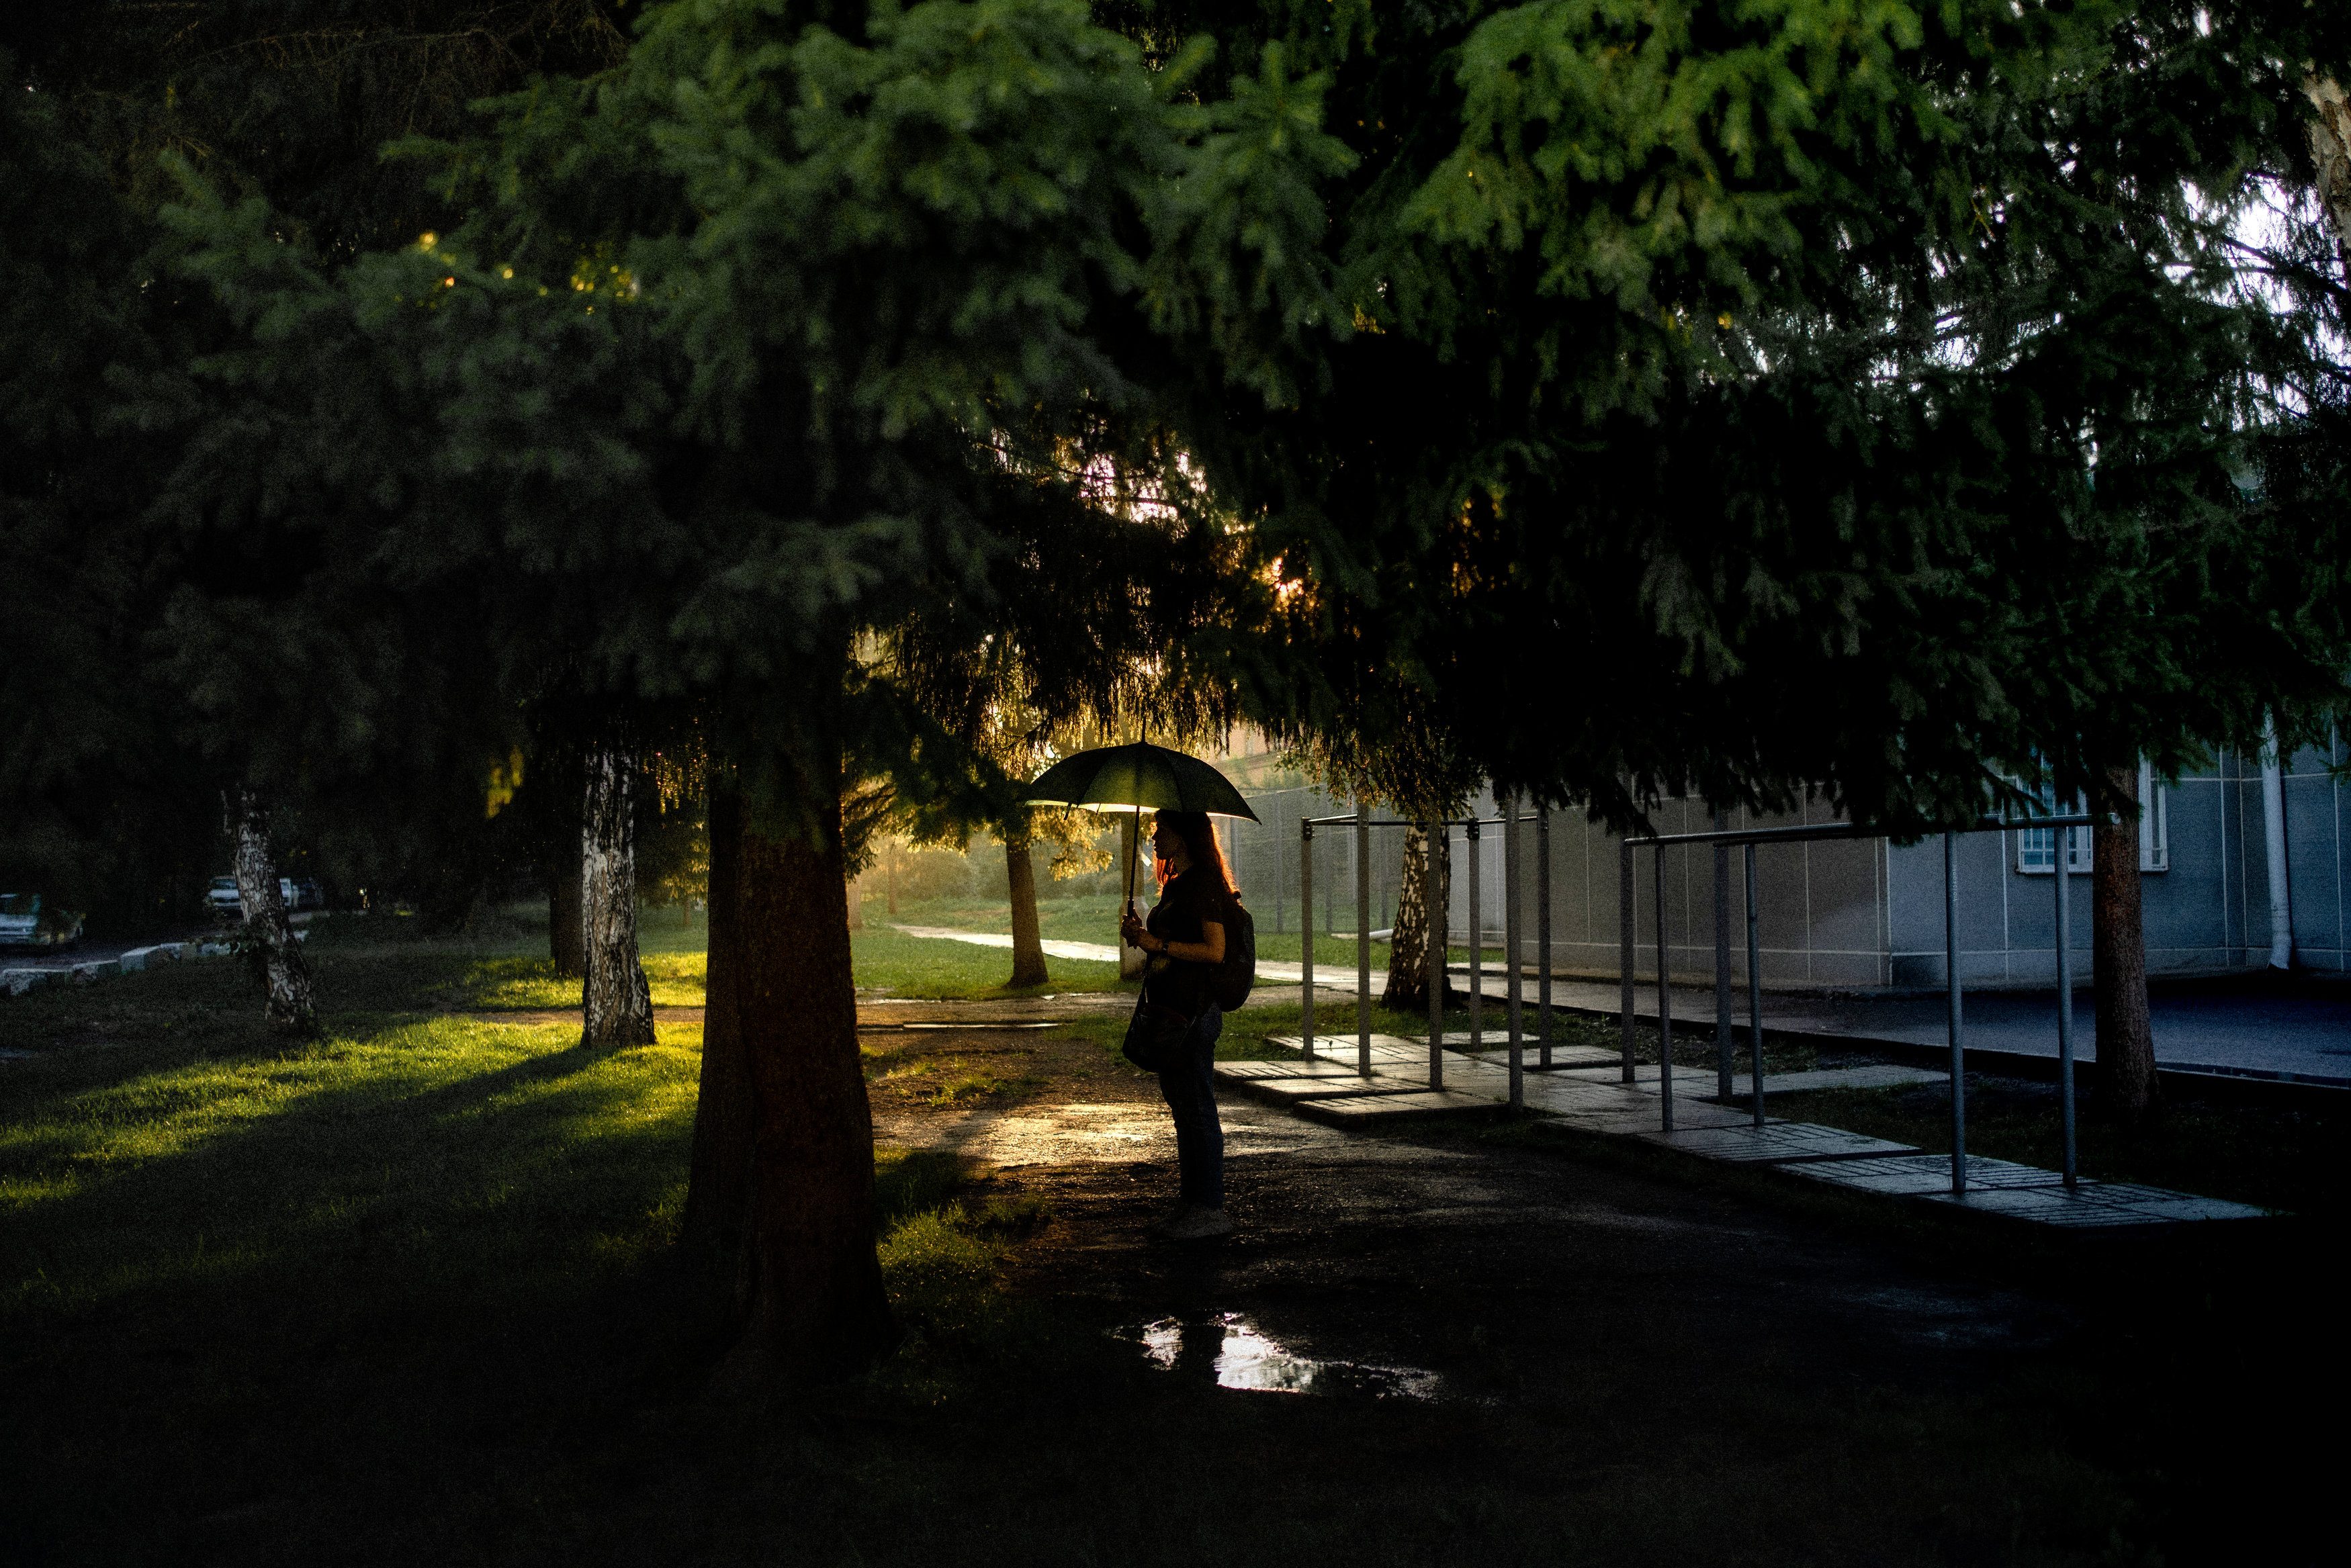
x=1185 y=938
x=1182 y=941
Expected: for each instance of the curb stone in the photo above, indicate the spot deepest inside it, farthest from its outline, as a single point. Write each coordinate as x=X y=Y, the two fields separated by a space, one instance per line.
x=20 y=982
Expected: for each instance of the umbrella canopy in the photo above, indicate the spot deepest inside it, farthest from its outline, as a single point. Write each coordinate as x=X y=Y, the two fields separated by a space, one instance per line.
x=1140 y=777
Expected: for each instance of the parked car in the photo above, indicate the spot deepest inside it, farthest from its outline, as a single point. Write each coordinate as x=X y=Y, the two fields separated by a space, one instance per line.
x=25 y=921
x=303 y=895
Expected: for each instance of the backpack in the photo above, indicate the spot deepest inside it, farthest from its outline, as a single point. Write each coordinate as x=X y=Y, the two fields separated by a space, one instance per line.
x=1230 y=982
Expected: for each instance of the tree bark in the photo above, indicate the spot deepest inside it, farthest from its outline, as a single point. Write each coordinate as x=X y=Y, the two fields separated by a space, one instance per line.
x=2330 y=148
x=719 y=1185
x=565 y=944
x=616 y=1004
x=1407 y=987
x=2119 y=963
x=267 y=938
x=1028 y=940
x=817 y=1306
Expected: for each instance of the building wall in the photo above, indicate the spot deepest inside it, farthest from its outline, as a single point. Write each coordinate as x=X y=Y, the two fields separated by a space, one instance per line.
x=1869 y=913
x=1860 y=913
x=1821 y=908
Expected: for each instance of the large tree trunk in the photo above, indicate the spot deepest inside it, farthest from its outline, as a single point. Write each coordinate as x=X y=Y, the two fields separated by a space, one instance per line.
x=616 y=1003
x=2119 y=963
x=269 y=936
x=1028 y=940
x=565 y=944
x=1407 y=987
x=2330 y=148
x=817 y=1306
x=718 y=1187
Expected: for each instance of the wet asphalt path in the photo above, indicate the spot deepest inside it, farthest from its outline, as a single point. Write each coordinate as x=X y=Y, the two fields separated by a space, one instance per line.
x=1517 y=1273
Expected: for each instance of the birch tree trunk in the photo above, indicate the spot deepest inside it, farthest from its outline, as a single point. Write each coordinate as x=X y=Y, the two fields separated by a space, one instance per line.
x=719 y=1187
x=2330 y=148
x=2119 y=963
x=616 y=1004
x=1407 y=987
x=269 y=936
x=818 y=1308
x=1028 y=940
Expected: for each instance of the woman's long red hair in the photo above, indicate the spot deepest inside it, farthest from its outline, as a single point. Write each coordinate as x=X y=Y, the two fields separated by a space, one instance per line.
x=1199 y=836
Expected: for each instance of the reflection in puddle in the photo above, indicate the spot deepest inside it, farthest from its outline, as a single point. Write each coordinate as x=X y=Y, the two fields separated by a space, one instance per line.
x=1245 y=1358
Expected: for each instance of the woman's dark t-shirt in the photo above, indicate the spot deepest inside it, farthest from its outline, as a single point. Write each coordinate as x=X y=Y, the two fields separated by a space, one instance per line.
x=1186 y=904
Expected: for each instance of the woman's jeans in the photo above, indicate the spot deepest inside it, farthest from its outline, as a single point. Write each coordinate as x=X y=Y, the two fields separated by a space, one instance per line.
x=1191 y=1094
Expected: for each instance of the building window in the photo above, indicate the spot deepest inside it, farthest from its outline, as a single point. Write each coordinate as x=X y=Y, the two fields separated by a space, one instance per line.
x=2036 y=848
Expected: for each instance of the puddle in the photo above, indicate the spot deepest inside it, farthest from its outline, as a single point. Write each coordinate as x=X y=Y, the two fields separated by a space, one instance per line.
x=1242 y=1357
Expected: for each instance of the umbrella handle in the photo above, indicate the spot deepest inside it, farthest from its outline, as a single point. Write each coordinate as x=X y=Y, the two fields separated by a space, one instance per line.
x=1134 y=823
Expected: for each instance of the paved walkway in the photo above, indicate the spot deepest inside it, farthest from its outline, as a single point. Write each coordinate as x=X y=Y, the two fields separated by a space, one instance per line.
x=1590 y=1102
x=2230 y=1026
x=2237 y=1024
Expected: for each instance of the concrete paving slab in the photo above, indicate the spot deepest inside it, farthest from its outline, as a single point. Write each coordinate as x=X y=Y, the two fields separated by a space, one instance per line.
x=1296 y=1091
x=1925 y=1175
x=1341 y=1038
x=2098 y=1205
x=1879 y=1076
x=2178 y=1206
x=1342 y=1047
x=1552 y=1095
x=1687 y=1118
x=1562 y=1057
x=1686 y=1080
x=1382 y=1110
x=1776 y=1143
x=1235 y=1071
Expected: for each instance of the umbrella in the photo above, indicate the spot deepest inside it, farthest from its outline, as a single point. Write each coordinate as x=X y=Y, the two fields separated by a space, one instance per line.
x=1140 y=777
x=1137 y=778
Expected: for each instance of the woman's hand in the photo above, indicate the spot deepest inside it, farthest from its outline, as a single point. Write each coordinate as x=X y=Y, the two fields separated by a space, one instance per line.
x=1132 y=930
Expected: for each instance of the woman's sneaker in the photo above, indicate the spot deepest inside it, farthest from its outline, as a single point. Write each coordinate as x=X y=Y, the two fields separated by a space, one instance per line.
x=1197 y=1224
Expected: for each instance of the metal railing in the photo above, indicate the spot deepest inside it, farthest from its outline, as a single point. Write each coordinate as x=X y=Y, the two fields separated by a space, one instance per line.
x=1435 y=833
x=1748 y=839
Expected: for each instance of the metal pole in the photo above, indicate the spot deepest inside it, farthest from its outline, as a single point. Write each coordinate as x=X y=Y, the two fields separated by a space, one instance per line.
x=1477 y=946
x=2065 y=1003
x=1542 y=930
x=1363 y=939
x=1951 y=990
x=1626 y=952
x=1722 y=1051
x=1754 y=993
x=1513 y=883
x=1274 y=852
x=1664 y=1004
x=1432 y=888
x=1306 y=938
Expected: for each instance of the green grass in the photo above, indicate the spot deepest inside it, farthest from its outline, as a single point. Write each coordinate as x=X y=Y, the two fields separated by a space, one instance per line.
x=260 y=1291
x=892 y=963
x=504 y=968
x=1095 y=919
